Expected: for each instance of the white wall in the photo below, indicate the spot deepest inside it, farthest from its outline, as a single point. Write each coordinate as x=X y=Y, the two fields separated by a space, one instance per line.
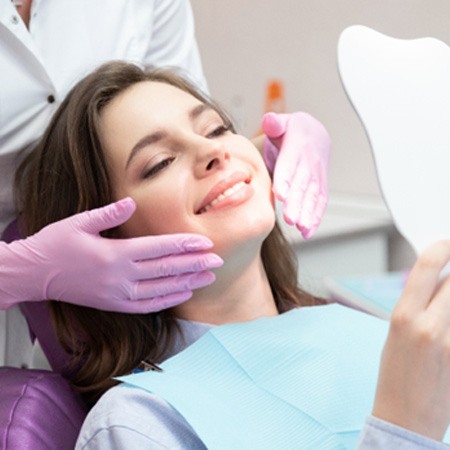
x=244 y=43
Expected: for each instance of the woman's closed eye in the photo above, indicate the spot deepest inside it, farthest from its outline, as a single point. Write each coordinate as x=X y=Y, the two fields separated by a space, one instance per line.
x=158 y=167
x=219 y=131
x=154 y=168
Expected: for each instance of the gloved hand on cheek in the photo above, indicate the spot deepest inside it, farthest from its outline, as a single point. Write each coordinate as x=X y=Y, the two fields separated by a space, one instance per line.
x=69 y=260
x=296 y=151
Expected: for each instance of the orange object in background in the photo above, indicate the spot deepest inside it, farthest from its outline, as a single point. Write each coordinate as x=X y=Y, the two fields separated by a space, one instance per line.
x=275 y=100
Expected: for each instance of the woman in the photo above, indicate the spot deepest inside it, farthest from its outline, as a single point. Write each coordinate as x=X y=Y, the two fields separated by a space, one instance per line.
x=152 y=136
x=66 y=42
x=48 y=45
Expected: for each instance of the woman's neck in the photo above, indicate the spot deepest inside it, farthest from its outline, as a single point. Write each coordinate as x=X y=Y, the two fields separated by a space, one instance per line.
x=237 y=295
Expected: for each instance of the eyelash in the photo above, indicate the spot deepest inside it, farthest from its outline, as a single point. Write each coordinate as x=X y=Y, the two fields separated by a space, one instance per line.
x=158 y=167
x=219 y=131
x=222 y=129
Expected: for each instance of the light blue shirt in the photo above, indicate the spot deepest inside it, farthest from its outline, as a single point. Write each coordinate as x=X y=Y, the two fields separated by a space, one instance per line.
x=129 y=417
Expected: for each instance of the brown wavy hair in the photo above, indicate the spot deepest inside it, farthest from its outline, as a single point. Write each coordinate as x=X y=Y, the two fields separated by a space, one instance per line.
x=68 y=173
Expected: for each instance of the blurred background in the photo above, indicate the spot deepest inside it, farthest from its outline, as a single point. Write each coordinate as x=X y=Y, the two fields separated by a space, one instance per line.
x=245 y=45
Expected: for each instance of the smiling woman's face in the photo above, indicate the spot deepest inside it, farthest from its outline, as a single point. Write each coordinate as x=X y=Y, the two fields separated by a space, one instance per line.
x=185 y=170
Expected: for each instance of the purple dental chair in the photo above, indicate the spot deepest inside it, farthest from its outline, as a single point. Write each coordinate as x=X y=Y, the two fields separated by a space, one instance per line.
x=38 y=408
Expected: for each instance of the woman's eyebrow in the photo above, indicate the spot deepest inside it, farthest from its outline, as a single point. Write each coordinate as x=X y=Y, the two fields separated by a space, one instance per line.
x=200 y=109
x=155 y=137
x=148 y=139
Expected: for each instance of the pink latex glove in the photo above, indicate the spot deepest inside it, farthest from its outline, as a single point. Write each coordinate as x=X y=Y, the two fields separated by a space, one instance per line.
x=296 y=151
x=69 y=260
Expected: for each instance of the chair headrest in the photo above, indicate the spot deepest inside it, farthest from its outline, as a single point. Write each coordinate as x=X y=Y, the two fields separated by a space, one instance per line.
x=38 y=410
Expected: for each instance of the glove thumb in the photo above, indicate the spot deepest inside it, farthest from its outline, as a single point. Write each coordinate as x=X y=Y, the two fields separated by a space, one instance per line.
x=106 y=217
x=274 y=125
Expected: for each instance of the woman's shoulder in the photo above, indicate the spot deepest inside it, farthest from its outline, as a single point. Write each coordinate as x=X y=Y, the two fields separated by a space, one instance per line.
x=125 y=413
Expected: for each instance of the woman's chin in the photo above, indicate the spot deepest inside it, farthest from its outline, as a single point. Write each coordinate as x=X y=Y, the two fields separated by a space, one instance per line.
x=246 y=234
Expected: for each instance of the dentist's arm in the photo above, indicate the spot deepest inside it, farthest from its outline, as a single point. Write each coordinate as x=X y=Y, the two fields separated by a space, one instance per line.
x=296 y=151
x=69 y=260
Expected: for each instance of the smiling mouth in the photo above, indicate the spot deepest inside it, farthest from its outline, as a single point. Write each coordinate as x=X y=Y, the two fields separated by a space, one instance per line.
x=225 y=194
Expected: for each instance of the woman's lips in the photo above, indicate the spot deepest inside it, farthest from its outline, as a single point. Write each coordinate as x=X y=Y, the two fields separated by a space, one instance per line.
x=225 y=192
x=230 y=191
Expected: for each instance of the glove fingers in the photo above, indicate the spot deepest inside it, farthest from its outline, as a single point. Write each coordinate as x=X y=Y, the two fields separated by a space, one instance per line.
x=294 y=199
x=274 y=125
x=151 y=247
x=176 y=265
x=168 y=301
x=170 y=285
x=106 y=217
x=287 y=166
x=309 y=226
x=308 y=207
x=315 y=203
x=321 y=205
x=154 y=304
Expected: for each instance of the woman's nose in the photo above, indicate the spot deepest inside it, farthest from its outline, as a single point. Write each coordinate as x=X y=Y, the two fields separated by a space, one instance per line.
x=211 y=156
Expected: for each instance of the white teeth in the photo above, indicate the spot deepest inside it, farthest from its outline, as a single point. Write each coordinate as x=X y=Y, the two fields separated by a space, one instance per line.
x=225 y=194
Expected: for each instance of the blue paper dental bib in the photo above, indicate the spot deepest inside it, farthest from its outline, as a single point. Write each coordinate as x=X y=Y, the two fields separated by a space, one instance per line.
x=303 y=380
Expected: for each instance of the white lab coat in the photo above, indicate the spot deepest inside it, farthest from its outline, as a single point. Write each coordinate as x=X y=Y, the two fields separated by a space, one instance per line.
x=65 y=41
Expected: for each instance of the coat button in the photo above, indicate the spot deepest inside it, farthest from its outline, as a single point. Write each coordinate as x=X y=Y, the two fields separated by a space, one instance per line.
x=51 y=98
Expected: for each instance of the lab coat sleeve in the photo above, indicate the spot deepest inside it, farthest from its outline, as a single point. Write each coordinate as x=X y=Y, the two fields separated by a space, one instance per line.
x=380 y=435
x=173 y=42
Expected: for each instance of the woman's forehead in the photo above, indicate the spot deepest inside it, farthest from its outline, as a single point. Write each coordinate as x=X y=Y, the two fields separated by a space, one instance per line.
x=158 y=92
x=155 y=102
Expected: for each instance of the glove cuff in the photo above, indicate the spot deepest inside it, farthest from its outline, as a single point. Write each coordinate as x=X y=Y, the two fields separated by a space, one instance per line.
x=19 y=276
